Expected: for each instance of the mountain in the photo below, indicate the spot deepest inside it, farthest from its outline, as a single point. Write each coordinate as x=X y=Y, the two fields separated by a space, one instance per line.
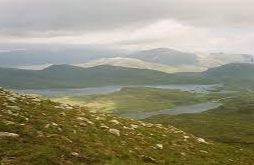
x=136 y=63
x=166 y=56
x=67 y=76
x=34 y=55
x=236 y=74
x=218 y=59
x=34 y=130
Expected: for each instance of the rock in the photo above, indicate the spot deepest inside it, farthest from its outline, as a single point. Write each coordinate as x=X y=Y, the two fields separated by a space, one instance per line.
x=63 y=114
x=104 y=126
x=83 y=124
x=8 y=134
x=149 y=125
x=75 y=154
x=183 y=154
x=134 y=126
x=186 y=137
x=201 y=140
x=203 y=151
x=36 y=100
x=54 y=124
x=114 y=131
x=100 y=118
x=159 y=146
x=85 y=119
x=47 y=126
x=124 y=127
x=114 y=121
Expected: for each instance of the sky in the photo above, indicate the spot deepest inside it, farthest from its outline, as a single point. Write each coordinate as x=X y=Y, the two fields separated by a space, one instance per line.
x=189 y=25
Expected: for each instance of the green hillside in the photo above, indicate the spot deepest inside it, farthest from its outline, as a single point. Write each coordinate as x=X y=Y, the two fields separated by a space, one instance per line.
x=231 y=123
x=236 y=75
x=38 y=131
x=67 y=76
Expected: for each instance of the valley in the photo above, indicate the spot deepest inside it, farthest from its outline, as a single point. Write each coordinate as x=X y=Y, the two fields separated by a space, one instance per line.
x=126 y=82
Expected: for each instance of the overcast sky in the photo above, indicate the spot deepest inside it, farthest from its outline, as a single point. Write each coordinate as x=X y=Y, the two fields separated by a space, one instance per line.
x=192 y=25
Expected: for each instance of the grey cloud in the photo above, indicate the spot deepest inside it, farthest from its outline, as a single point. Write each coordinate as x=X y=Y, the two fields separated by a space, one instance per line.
x=56 y=17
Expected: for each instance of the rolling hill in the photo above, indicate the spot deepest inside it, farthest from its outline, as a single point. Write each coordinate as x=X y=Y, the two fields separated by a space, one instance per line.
x=140 y=64
x=236 y=75
x=166 y=56
x=67 y=76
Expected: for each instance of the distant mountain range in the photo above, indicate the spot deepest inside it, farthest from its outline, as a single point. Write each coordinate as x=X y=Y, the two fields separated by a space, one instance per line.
x=160 y=59
x=141 y=64
x=171 y=61
x=67 y=76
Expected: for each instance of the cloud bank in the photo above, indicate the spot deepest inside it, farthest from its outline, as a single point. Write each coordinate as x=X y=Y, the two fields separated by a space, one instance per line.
x=193 y=25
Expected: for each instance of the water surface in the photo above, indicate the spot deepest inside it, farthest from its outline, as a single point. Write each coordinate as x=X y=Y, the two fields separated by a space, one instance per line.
x=111 y=89
x=195 y=108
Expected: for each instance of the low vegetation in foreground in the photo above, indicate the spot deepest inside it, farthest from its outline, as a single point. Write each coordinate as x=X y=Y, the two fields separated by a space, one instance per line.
x=39 y=131
x=135 y=99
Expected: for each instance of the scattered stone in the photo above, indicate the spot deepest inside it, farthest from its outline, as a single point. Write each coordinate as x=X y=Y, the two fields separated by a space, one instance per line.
x=54 y=124
x=104 y=126
x=100 y=118
x=83 y=124
x=47 y=126
x=114 y=121
x=67 y=139
x=75 y=154
x=59 y=129
x=124 y=127
x=36 y=100
x=114 y=131
x=183 y=154
x=134 y=126
x=8 y=134
x=203 y=151
x=85 y=119
x=159 y=146
x=201 y=140
x=186 y=137
x=63 y=114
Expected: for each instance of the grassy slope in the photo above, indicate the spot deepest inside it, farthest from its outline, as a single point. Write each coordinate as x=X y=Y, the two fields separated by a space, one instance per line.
x=231 y=123
x=66 y=76
x=51 y=134
x=135 y=99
